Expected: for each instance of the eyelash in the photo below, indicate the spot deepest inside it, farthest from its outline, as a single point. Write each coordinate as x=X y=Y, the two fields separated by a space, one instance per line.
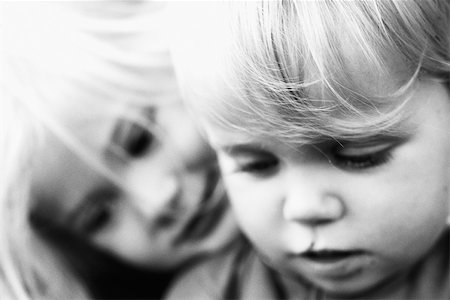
x=97 y=212
x=364 y=161
x=263 y=165
x=266 y=164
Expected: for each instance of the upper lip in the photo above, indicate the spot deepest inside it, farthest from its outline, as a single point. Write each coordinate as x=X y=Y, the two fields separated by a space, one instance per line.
x=330 y=253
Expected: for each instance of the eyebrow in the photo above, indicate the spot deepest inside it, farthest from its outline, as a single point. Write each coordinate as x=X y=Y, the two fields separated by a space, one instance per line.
x=242 y=149
x=251 y=148
x=404 y=131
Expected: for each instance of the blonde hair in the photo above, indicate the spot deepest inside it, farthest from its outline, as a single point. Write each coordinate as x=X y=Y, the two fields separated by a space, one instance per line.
x=56 y=54
x=300 y=69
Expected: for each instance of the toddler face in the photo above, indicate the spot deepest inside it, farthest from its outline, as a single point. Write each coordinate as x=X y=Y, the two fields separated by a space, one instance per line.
x=170 y=174
x=344 y=215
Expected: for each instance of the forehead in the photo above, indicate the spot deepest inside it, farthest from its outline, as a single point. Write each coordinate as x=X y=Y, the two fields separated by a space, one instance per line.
x=246 y=92
x=429 y=100
x=87 y=122
x=377 y=74
x=89 y=109
x=225 y=97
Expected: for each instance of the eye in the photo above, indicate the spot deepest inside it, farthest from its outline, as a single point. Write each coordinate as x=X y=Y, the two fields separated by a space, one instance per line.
x=96 y=211
x=257 y=163
x=359 y=157
x=133 y=138
x=137 y=141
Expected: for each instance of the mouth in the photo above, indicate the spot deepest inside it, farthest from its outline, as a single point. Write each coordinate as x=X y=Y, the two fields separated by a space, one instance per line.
x=330 y=256
x=336 y=263
x=209 y=215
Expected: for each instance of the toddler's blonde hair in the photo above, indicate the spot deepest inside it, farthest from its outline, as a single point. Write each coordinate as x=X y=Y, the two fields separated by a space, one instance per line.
x=302 y=71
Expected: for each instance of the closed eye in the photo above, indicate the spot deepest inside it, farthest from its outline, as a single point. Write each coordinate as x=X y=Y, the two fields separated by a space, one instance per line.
x=252 y=160
x=96 y=211
x=360 y=157
x=257 y=164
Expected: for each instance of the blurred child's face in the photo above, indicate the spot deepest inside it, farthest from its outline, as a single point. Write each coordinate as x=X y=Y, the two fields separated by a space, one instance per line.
x=156 y=223
x=344 y=215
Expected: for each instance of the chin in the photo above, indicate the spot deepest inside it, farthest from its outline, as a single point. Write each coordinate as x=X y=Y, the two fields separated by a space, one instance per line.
x=354 y=288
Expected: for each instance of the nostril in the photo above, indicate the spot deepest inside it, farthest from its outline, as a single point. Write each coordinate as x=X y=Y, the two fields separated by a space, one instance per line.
x=165 y=220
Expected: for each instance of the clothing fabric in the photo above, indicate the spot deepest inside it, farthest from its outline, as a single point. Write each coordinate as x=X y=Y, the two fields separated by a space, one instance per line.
x=242 y=274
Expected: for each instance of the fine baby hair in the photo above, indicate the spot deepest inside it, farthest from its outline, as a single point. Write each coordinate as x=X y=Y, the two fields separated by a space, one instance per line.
x=331 y=124
x=333 y=48
x=85 y=59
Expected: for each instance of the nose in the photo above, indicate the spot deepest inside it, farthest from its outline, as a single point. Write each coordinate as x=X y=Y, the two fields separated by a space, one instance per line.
x=161 y=200
x=310 y=200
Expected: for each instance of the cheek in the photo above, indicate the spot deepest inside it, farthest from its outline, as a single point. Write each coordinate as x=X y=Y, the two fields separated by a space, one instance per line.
x=429 y=184
x=407 y=210
x=447 y=187
x=255 y=204
x=125 y=236
x=241 y=199
x=419 y=183
x=131 y=239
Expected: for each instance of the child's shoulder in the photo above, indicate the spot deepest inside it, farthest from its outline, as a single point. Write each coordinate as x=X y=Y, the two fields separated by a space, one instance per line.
x=210 y=278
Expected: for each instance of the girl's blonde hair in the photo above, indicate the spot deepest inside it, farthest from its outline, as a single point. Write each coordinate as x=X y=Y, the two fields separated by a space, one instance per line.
x=307 y=70
x=56 y=55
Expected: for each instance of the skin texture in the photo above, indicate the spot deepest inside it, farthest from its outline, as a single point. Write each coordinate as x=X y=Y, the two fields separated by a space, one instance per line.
x=384 y=201
x=166 y=180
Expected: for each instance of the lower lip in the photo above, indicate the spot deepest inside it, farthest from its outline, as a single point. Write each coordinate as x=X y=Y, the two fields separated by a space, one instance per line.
x=341 y=267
